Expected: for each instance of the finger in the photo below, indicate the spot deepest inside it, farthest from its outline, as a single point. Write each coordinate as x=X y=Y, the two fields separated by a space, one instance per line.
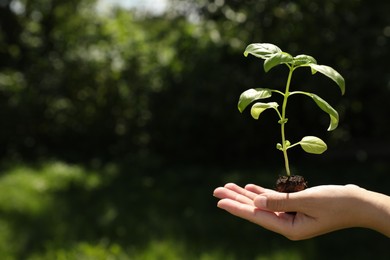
x=238 y=209
x=257 y=189
x=224 y=193
x=221 y=193
x=234 y=187
x=279 y=202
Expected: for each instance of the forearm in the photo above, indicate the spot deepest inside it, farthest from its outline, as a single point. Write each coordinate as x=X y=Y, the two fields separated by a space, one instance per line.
x=379 y=212
x=374 y=210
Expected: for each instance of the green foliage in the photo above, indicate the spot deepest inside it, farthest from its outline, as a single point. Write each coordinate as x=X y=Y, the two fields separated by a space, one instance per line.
x=31 y=203
x=84 y=251
x=25 y=189
x=274 y=56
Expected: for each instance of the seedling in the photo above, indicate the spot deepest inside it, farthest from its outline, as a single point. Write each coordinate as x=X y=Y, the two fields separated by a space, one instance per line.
x=274 y=56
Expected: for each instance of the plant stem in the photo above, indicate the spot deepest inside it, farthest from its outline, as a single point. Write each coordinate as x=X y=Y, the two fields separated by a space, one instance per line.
x=283 y=122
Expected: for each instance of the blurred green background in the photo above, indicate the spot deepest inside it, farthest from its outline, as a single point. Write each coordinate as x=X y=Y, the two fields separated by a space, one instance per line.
x=118 y=123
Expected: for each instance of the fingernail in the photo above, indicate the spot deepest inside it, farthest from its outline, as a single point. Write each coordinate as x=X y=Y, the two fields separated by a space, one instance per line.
x=261 y=202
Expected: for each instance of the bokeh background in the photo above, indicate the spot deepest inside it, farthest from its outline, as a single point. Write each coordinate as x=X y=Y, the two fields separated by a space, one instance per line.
x=119 y=118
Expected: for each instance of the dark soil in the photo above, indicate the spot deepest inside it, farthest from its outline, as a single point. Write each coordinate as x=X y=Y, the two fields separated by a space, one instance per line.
x=290 y=184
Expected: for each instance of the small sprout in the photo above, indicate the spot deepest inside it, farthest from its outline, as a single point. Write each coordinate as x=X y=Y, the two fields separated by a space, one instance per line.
x=274 y=56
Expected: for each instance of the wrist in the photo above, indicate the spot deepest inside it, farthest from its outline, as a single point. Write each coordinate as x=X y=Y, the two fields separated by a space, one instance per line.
x=373 y=209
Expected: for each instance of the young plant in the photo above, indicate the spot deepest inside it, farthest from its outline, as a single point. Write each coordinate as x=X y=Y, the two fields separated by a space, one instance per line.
x=274 y=56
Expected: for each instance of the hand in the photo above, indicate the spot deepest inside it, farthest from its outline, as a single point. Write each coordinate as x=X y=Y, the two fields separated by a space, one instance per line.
x=319 y=210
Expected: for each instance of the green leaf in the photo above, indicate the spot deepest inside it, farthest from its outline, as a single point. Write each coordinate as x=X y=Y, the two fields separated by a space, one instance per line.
x=251 y=95
x=312 y=144
x=261 y=50
x=331 y=73
x=258 y=108
x=334 y=116
x=303 y=59
x=276 y=59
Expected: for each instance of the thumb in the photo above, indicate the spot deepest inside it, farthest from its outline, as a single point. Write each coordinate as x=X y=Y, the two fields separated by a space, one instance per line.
x=278 y=202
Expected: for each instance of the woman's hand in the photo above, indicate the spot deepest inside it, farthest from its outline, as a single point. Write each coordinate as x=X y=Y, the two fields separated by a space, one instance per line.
x=319 y=210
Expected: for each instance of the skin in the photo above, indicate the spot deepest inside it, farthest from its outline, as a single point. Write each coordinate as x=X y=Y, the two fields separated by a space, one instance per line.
x=320 y=209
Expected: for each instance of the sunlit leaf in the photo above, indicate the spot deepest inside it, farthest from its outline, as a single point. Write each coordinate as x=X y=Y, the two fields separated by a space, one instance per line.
x=276 y=59
x=303 y=59
x=258 y=108
x=312 y=144
x=261 y=50
x=251 y=95
x=334 y=116
x=331 y=73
